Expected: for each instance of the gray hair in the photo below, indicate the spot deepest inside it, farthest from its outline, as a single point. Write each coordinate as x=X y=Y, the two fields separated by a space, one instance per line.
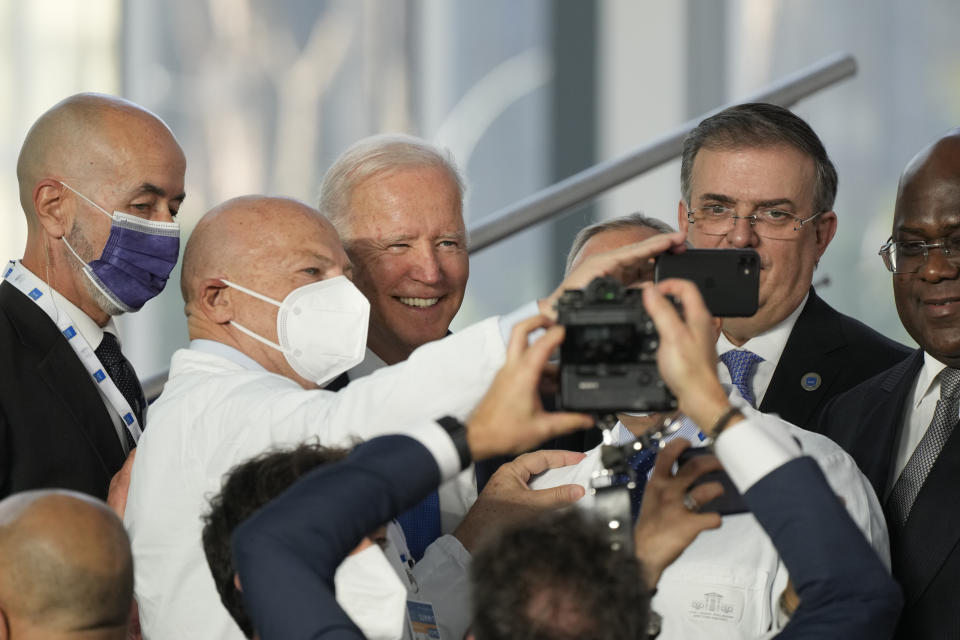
x=373 y=156
x=629 y=221
x=760 y=124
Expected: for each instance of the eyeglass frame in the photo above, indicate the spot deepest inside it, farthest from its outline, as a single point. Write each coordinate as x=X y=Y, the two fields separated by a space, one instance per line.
x=798 y=221
x=940 y=243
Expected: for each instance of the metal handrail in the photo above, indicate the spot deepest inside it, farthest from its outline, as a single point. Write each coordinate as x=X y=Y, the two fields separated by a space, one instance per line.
x=580 y=188
x=564 y=196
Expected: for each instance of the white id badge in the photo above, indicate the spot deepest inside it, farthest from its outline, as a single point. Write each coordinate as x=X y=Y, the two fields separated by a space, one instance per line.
x=423 y=621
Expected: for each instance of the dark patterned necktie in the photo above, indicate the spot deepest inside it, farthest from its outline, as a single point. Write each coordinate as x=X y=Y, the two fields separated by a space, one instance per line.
x=742 y=364
x=124 y=377
x=918 y=467
x=641 y=462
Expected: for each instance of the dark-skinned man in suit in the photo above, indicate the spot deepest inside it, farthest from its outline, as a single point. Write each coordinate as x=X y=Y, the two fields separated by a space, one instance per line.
x=899 y=425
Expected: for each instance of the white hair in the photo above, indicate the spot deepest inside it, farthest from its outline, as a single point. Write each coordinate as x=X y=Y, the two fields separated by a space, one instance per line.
x=373 y=156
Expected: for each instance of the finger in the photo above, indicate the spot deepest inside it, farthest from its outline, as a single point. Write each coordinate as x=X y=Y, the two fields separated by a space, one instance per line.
x=668 y=455
x=551 y=424
x=554 y=496
x=539 y=461
x=696 y=467
x=694 y=308
x=539 y=352
x=704 y=493
x=521 y=332
x=664 y=315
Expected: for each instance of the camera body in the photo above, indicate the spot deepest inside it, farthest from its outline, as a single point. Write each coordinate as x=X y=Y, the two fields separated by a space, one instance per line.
x=608 y=359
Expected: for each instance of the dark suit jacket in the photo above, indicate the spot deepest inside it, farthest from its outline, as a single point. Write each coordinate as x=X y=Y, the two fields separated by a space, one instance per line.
x=866 y=421
x=844 y=589
x=842 y=350
x=54 y=427
x=287 y=553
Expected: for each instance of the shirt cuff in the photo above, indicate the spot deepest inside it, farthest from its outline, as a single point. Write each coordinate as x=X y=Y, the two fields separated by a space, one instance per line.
x=509 y=320
x=752 y=448
x=440 y=445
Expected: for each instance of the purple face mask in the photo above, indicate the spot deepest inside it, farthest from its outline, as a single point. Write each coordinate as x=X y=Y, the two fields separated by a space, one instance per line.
x=136 y=261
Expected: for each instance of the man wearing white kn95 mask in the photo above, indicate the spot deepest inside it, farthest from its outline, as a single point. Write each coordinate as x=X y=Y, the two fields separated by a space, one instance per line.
x=272 y=316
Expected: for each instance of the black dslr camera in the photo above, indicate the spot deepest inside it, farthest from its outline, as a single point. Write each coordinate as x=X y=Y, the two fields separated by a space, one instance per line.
x=608 y=360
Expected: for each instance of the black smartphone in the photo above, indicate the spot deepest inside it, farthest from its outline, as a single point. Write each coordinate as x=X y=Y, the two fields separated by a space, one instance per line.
x=731 y=501
x=728 y=279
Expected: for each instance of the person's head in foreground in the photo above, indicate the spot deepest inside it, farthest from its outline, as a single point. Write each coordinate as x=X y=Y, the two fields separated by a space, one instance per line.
x=556 y=578
x=65 y=568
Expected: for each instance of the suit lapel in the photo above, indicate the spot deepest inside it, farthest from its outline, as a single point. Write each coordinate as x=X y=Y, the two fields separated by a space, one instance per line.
x=66 y=378
x=875 y=445
x=815 y=346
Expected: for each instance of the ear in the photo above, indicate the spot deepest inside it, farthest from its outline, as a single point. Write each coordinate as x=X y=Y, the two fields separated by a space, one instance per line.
x=825 y=227
x=50 y=208
x=214 y=301
x=236 y=583
x=682 y=216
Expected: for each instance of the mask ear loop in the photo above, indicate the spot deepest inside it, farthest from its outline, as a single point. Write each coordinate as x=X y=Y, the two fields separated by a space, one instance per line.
x=46 y=274
x=250 y=333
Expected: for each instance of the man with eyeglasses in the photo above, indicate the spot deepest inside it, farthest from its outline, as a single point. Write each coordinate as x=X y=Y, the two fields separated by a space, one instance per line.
x=900 y=424
x=757 y=176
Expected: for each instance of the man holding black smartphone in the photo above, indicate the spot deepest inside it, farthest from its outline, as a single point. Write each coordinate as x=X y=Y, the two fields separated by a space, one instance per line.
x=757 y=176
x=729 y=582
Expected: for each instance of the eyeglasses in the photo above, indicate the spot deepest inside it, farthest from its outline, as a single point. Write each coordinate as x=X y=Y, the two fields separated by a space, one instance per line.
x=909 y=257
x=776 y=224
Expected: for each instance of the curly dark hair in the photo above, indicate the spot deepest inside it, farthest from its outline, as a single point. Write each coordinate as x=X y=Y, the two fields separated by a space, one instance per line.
x=556 y=578
x=247 y=487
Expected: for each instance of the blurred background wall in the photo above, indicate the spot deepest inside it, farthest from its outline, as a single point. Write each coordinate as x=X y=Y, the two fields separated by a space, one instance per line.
x=263 y=95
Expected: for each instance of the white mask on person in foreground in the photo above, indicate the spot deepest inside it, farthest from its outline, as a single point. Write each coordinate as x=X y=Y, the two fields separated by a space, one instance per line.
x=372 y=594
x=321 y=327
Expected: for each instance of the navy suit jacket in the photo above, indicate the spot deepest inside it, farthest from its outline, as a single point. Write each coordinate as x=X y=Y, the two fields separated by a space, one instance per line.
x=287 y=553
x=55 y=430
x=867 y=422
x=842 y=350
x=845 y=591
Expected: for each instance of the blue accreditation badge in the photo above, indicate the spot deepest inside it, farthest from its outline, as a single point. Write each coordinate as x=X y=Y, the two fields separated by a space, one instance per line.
x=423 y=621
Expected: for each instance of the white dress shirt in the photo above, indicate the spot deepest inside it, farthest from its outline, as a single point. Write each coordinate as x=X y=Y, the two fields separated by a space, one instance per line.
x=768 y=345
x=456 y=496
x=918 y=414
x=220 y=408
x=727 y=583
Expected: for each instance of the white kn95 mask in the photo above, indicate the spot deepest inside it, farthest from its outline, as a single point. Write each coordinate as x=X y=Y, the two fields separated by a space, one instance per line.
x=321 y=327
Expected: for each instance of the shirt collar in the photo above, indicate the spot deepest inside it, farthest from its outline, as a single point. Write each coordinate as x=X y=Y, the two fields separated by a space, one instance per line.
x=370 y=363
x=92 y=332
x=768 y=345
x=927 y=378
x=227 y=352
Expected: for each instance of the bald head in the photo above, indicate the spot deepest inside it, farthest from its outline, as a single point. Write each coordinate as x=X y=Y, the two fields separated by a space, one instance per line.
x=66 y=566
x=243 y=236
x=268 y=245
x=82 y=138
